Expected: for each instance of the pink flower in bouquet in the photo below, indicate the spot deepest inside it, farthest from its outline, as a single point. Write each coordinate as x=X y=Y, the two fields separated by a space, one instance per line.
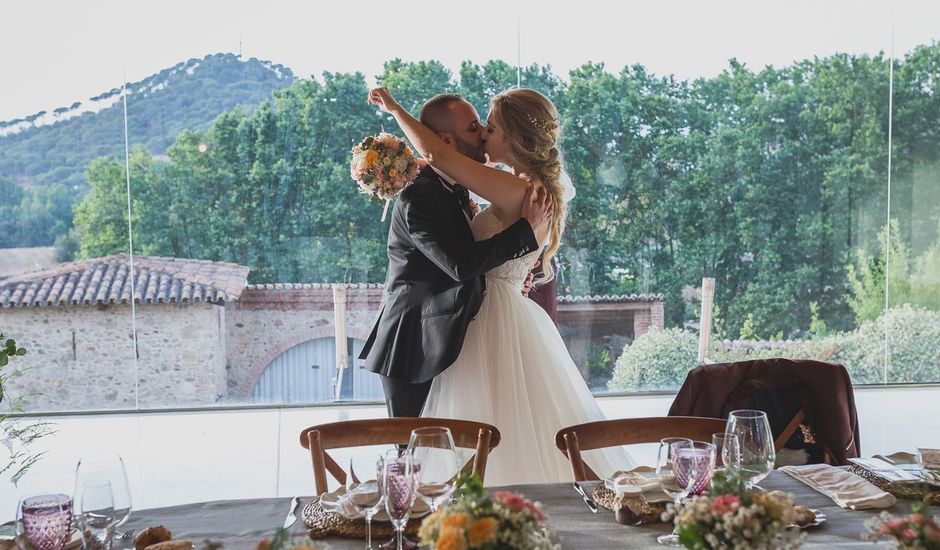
x=510 y=500
x=724 y=504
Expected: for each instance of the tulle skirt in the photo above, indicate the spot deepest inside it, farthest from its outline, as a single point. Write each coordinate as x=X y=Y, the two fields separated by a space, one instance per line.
x=515 y=372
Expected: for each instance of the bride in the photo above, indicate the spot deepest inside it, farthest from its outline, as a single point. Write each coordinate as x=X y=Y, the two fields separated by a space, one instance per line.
x=513 y=370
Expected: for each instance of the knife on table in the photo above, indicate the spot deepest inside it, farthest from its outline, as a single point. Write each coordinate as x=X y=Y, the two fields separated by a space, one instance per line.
x=584 y=496
x=291 y=517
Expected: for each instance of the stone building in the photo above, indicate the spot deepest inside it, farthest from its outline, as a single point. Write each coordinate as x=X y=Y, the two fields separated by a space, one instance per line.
x=204 y=336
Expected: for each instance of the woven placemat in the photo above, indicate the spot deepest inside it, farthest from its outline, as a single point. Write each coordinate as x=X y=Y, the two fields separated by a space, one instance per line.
x=913 y=491
x=322 y=524
x=645 y=512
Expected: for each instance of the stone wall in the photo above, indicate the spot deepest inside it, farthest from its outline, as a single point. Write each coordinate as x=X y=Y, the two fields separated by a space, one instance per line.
x=82 y=357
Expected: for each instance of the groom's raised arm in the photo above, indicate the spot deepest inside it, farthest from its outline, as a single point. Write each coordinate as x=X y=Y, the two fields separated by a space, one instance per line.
x=461 y=258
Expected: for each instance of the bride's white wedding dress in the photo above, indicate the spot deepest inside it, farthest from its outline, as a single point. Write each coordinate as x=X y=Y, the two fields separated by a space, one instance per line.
x=515 y=372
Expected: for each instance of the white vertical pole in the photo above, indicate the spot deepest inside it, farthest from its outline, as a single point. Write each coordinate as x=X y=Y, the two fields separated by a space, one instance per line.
x=705 y=322
x=339 y=320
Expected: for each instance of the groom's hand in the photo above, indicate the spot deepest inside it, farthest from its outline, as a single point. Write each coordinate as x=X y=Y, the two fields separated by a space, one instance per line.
x=537 y=208
x=383 y=99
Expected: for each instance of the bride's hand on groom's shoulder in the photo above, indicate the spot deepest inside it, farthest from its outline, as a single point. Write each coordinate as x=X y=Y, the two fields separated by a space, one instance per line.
x=383 y=99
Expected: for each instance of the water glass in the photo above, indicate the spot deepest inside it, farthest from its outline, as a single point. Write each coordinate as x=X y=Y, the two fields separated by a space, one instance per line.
x=43 y=521
x=726 y=449
x=435 y=463
x=756 y=456
x=693 y=465
x=96 y=515
x=668 y=481
x=363 y=489
x=108 y=468
x=398 y=481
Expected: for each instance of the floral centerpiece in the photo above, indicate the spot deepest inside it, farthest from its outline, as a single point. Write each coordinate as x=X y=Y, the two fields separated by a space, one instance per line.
x=915 y=531
x=382 y=166
x=507 y=521
x=730 y=516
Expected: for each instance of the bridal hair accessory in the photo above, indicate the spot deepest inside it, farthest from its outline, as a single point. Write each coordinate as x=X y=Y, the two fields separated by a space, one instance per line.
x=382 y=166
x=547 y=126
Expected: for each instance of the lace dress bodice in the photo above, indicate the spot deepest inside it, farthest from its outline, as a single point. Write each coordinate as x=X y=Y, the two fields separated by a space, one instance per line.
x=514 y=271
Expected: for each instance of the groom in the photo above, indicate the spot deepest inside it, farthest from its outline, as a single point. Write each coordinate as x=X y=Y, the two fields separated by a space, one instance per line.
x=435 y=283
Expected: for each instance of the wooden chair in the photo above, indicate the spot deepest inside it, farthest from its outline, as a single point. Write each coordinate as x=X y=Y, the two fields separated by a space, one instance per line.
x=395 y=431
x=629 y=431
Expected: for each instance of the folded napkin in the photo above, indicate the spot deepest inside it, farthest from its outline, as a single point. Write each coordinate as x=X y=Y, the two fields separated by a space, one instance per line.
x=639 y=481
x=846 y=489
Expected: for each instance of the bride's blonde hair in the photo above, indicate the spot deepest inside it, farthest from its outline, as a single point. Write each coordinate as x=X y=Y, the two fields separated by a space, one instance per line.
x=529 y=122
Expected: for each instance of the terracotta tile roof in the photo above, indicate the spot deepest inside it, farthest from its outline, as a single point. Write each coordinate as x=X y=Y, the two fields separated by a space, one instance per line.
x=107 y=281
x=611 y=299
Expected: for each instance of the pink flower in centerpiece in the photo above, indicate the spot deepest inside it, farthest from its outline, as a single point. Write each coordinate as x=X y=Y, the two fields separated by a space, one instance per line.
x=909 y=534
x=893 y=525
x=510 y=500
x=724 y=504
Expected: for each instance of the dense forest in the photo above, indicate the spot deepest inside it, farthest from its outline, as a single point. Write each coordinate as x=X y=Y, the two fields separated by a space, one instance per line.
x=773 y=181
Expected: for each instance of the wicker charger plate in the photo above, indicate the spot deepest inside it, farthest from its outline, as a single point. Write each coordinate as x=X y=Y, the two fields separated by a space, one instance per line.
x=322 y=524
x=646 y=512
x=912 y=491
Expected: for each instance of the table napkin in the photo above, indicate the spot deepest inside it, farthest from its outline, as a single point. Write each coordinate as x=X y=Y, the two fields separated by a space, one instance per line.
x=846 y=489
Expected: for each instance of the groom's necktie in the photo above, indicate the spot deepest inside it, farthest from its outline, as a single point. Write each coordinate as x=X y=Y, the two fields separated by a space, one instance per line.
x=463 y=198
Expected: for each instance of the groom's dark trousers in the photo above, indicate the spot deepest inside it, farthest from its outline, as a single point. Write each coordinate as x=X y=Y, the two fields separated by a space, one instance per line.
x=433 y=289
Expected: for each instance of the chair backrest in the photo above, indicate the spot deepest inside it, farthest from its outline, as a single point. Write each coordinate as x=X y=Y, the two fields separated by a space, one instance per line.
x=810 y=404
x=391 y=431
x=629 y=431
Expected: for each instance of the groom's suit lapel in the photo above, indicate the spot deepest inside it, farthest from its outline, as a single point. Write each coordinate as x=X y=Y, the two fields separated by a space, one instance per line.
x=455 y=204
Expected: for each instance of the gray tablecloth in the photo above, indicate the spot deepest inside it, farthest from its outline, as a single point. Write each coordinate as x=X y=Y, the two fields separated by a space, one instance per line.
x=241 y=524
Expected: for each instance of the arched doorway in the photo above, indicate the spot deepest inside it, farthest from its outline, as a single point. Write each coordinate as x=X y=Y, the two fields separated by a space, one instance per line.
x=305 y=373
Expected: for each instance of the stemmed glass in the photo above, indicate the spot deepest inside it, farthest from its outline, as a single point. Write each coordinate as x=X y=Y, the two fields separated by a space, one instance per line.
x=106 y=468
x=363 y=488
x=398 y=480
x=43 y=521
x=668 y=480
x=756 y=456
x=435 y=463
x=96 y=514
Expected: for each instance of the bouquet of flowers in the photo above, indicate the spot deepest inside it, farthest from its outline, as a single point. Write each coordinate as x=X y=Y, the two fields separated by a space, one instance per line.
x=505 y=522
x=731 y=517
x=383 y=165
x=915 y=531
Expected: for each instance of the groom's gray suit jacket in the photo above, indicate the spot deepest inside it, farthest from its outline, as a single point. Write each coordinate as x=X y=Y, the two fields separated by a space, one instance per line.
x=435 y=283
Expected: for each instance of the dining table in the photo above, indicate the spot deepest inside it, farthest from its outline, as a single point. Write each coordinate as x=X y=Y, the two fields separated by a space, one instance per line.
x=241 y=524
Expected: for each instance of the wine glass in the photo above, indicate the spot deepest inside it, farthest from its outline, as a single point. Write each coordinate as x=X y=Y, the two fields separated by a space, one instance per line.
x=756 y=456
x=668 y=480
x=435 y=463
x=398 y=481
x=726 y=450
x=106 y=468
x=363 y=489
x=693 y=465
x=96 y=514
x=43 y=521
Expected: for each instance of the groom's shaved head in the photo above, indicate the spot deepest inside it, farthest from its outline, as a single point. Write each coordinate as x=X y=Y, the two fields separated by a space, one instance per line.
x=436 y=113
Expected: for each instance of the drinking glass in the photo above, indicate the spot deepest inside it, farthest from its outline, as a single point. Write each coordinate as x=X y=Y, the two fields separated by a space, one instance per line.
x=435 y=463
x=693 y=465
x=43 y=521
x=96 y=515
x=398 y=481
x=726 y=450
x=363 y=489
x=668 y=481
x=106 y=468
x=755 y=459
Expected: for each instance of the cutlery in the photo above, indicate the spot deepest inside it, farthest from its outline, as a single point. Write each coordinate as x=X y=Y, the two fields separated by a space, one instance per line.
x=125 y=535
x=291 y=516
x=584 y=496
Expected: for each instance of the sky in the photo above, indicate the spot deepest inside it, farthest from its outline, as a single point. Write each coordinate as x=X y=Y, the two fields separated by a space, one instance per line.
x=55 y=52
